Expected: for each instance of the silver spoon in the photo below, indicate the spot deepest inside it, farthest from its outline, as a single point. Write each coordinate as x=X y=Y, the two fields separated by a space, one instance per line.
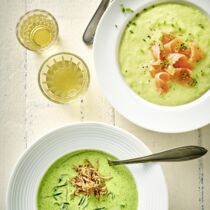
x=173 y=155
x=89 y=33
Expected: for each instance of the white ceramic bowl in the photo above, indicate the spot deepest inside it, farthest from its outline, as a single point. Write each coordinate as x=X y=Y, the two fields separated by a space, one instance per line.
x=141 y=112
x=23 y=187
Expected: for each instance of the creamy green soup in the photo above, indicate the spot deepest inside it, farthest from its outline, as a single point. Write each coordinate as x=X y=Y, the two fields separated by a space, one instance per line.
x=55 y=188
x=135 y=55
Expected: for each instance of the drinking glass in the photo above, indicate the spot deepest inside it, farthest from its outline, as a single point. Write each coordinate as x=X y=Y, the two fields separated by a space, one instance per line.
x=37 y=30
x=63 y=77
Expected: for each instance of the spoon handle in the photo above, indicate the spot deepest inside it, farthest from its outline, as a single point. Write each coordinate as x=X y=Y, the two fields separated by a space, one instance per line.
x=173 y=155
x=89 y=33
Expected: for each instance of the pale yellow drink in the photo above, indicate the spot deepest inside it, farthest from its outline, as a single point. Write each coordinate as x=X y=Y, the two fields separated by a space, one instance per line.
x=63 y=77
x=37 y=30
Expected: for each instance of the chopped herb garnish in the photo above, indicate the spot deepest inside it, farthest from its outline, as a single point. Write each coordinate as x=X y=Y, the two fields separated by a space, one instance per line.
x=111 y=194
x=129 y=10
x=64 y=206
x=166 y=63
x=85 y=204
x=102 y=208
x=129 y=23
x=59 y=186
x=122 y=8
x=145 y=9
x=126 y=9
x=137 y=15
x=131 y=31
x=60 y=193
x=149 y=36
x=185 y=76
x=183 y=47
x=56 y=203
x=144 y=40
x=55 y=195
x=116 y=26
x=201 y=25
x=122 y=206
x=192 y=82
x=81 y=201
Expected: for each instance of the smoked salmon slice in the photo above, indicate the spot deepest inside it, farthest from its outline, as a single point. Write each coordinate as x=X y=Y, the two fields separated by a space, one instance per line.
x=183 y=63
x=186 y=52
x=156 y=51
x=154 y=71
x=156 y=63
x=183 y=75
x=171 y=70
x=179 y=60
x=174 y=60
x=174 y=45
x=164 y=53
x=174 y=57
x=197 y=53
x=161 y=80
x=167 y=38
x=157 y=67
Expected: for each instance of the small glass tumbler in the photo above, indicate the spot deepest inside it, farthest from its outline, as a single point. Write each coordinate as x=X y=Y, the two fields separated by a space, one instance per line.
x=63 y=77
x=37 y=30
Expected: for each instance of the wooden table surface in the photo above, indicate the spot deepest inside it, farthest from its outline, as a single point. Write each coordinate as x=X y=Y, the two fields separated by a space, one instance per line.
x=25 y=114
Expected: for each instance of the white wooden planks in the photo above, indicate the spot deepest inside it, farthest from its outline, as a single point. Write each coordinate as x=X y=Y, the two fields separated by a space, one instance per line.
x=12 y=93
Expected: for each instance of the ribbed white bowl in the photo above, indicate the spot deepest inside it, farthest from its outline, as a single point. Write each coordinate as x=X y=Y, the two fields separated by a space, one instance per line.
x=23 y=187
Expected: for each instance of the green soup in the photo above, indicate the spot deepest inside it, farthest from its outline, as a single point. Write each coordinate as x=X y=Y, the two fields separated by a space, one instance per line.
x=135 y=55
x=122 y=191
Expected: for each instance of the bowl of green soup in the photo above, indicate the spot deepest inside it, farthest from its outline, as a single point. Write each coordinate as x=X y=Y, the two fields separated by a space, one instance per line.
x=152 y=59
x=68 y=169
